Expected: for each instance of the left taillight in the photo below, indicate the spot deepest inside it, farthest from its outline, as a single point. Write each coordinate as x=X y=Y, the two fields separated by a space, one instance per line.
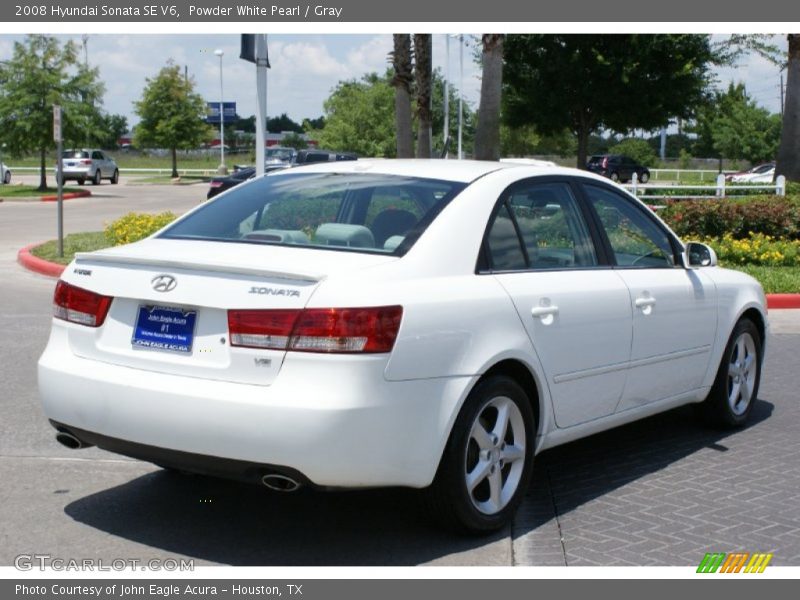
x=78 y=305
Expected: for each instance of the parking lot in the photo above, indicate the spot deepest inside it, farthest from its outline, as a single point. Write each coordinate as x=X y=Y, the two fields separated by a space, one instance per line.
x=660 y=492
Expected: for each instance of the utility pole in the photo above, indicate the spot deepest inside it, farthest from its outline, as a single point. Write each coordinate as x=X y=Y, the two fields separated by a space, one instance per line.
x=446 y=133
x=262 y=64
x=460 y=96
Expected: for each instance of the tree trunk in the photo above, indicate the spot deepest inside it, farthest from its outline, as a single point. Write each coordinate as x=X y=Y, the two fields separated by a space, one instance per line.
x=423 y=68
x=583 y=145
x=788 y=161
x=174 y=163
x=42 y=170
x=487 y=134
x=401 y=61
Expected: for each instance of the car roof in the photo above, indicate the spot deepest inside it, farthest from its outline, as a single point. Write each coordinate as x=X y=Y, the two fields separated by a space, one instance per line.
x=464 y=171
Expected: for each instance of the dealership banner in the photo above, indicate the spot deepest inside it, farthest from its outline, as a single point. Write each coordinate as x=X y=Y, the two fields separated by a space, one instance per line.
x=333 y=11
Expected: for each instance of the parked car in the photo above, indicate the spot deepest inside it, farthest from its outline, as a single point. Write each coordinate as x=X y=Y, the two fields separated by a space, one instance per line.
x=220 y=184
x=618 y=167
x=279 y=154
x=766 y=169
x=428 y=324
x=313 y=155
x=5 y=174
x=88 y=165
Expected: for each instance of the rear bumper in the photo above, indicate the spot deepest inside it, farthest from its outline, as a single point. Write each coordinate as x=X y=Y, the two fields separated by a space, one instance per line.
x=332 y=420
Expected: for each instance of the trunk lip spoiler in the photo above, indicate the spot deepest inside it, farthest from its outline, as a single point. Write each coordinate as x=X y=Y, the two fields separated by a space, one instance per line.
x=304 y=277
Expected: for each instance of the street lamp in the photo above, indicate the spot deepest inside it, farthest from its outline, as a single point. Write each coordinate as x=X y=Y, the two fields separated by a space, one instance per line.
x=222 y=169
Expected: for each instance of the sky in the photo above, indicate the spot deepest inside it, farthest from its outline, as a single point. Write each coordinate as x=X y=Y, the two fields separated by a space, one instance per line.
x=305 y=68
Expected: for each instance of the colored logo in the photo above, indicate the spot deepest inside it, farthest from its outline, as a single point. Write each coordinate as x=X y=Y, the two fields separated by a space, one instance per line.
x=735 y=562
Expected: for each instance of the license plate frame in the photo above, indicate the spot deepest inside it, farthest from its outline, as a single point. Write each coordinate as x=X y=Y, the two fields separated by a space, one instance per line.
x=164 y=328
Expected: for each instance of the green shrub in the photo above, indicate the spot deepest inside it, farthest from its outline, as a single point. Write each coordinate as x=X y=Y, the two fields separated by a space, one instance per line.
x=775 y=216
x=136 y=226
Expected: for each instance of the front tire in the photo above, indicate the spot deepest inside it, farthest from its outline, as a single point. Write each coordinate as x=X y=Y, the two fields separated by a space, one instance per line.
x=645 y=177
x=488 y=461
x=7 y=177
x=615 y=177
x=115 y=177
x=735 y=388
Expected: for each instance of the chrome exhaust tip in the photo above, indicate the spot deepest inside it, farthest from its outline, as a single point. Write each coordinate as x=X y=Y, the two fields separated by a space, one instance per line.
x=280 y=483
x=65 y=438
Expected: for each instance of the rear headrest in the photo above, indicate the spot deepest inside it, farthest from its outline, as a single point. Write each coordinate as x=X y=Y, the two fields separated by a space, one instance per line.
x=342 y=234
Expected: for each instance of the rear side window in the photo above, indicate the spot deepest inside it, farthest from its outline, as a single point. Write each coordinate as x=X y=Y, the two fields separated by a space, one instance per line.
x=75 y=154
x=540 y=226
x=359 y=212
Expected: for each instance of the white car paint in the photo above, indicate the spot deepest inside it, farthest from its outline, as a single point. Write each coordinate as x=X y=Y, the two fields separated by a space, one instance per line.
x=597 y=356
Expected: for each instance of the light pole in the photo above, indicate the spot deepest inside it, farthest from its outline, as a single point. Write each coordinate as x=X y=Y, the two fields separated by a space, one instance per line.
x=222 y=169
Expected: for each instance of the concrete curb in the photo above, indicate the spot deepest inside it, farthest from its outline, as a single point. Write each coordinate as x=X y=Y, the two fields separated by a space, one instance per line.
x=69 y=196
x=38 y=265
x=44 y=267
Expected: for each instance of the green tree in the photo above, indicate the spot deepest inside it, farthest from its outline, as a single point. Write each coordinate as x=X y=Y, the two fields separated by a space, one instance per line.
x=294 y=140
x=359 y=117
x=282 y=123
x=734 y=126
x=42 y=73
x=108 y=130
x=172 y=114
x=639 y=150
x=592 y=82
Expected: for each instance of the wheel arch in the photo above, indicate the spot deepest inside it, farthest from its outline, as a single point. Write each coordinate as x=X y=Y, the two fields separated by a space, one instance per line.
x=524 y=376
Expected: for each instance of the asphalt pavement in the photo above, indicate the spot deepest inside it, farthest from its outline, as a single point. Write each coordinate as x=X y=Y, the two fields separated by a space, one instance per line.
x=659 y=492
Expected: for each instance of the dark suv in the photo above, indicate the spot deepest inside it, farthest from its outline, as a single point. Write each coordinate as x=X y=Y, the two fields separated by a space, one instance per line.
x=617 y=167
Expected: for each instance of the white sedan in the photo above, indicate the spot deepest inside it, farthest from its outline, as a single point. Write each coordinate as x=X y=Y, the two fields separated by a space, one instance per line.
x=430 y=324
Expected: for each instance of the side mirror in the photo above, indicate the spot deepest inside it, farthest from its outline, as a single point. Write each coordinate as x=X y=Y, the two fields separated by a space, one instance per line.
x=699 y=255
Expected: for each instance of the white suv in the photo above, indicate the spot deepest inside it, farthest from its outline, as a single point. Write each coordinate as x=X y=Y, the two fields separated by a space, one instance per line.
x=87 y=164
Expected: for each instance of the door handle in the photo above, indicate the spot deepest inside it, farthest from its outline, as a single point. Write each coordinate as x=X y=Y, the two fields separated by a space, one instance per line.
x=645 y=302
x=544 y=311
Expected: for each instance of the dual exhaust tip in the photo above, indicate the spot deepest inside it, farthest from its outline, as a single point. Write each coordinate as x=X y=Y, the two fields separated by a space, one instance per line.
x=274 y=481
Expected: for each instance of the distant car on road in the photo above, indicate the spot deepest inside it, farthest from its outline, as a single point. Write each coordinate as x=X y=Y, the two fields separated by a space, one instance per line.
x=279 y=155
x=315 y=156
x=88 y=164
x=5 y=174
x=618 y=167
x=763 y=173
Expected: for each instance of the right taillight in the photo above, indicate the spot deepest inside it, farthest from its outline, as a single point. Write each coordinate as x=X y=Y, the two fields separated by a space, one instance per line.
x=78 y=305
x=328 y=330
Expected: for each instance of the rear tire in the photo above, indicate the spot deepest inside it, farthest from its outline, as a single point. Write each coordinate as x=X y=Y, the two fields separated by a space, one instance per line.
x=645 y=177
x=7 y=177
x=488 y=461
x=81 y=181
x=735 y=389
x=96 y=180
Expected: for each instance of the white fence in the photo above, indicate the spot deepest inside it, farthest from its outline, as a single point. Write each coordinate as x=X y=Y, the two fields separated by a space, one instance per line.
x=148 y=171
x=715 y=191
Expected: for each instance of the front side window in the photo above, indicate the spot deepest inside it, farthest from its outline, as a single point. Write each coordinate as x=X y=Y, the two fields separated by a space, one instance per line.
x=635 y=239
x=350 y=211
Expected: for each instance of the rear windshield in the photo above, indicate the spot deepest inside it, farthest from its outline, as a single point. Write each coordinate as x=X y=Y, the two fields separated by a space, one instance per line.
x=75 y=154
x=354 y=211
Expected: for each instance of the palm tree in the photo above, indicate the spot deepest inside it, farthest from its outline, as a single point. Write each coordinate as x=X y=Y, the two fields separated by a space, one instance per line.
x=487 y=134
x=402 y=80
x=423 y=69
x=788 y=161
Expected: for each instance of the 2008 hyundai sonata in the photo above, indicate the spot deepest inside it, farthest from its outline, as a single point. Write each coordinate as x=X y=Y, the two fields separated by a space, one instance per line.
x=430 y=324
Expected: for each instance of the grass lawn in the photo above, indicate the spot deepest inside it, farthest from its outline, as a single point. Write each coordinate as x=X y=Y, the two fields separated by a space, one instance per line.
x=74 y=242
x=775 y=280
x=31 y=192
